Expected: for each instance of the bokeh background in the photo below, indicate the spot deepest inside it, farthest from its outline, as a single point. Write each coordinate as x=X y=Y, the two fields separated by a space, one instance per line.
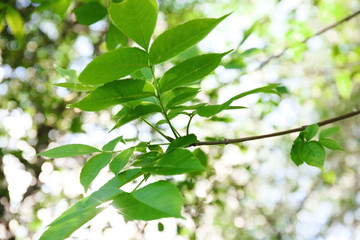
x=250 y=190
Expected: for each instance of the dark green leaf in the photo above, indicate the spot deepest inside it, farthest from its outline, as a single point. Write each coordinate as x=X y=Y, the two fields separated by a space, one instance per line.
x=330 y=144
x=189 y=71
x=15 y=22
x=182 y=142
x=85 y=209
x=89 y=13
x=116 y=92
x=328 y=132
x=135 y=18
x=114 y=37
x=310 y=131
x=120 y=161
x=178 y=96
x=69 y=150
x=312 y=153
x=211 y=110
x=113 y=65
x=137 y=112
x=147 y=159
x=92 y=168
x=201 y=156
x=173 y=41
x=110 y=146
x=156 y=148
x=160 y=227
x=295 y=149
x=177 y=161
x=157 y=200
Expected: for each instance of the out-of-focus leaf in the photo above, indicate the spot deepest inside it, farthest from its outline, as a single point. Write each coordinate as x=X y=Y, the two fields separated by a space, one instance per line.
x=76 y=87
x=344 y=84
x=330 y=144
x=120 y=161
x=173 y=41
x=89 y=13
x=61 y=6
x=114 y=37
x=110 y=146
x=115 y=92
x=15 y=22
x=69 y=74
x=113 y=65
x=69 y=150
x=135 y=18
x=157 y=200
x=189 y=71
x=92 y=168
x=312 y=153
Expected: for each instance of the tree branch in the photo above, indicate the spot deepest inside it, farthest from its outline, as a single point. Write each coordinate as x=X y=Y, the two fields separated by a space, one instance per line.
x=275 y=134
x=308 y=38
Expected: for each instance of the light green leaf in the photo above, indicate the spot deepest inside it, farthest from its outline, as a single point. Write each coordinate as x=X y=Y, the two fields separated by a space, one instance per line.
x=89 y=13
x=344 y=84
x=113 y=65
x=310 y=131
x=328 y=132
x=110 y=146
x=139 y=111
x=61 y=6
x=189 y=71
x=116 y=92
x=69 y=150
x=211 y=110
x=295 y=149
x=182 y=142
x=147 y=159
x=114 y=37
x=15 y=22
x=120 y=161
x=157 y=200
x=85 y=209
x=135 y=18
x=312 y=153
x=173 y=41
x=92 y=168
x=76 y=87
x=178 y=96
x=69 y=74
x=330 y=144
x=177 y=161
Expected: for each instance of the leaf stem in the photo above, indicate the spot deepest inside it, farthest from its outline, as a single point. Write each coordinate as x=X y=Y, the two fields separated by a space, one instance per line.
x=146 y=176
x=157 y=130
x=188 y=125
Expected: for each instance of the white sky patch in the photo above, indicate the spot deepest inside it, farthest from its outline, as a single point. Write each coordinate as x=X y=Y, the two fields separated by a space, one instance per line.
x=17 y=123
x=50 y=29
x=83 y=46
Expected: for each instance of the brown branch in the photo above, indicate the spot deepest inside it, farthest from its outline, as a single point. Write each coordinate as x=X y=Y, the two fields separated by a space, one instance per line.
x=275 y=134
x=308 y=38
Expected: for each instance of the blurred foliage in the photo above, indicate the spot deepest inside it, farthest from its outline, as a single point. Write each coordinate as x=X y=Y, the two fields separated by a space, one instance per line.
x=250 y=191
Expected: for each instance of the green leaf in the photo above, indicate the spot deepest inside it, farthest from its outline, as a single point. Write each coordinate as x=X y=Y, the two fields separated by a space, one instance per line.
x=344 y=84
x=328 y=132
x=189 y=71
x=135 y=18
x=114 y=37
x=312 y=153
x=110 y=146
x=61 y=6
x=147 y=159
x=137 y=112
x=113 y=65
x=15 y=23
x=310 y=131
x=92 y=168
x=76 y=87
x=330 y=144
x=177 y=161
x=182 y=142
x=157 y=200
x=85 y=209
x=120 y=161
x=201 y=156
x=144 y=73
x=295 y=151
x=248 y=32
x=211 y=110
x=89 y=13
x=69 y=150
x=69 y=74
x=178 y=96
x=116 y=92
x=173 y=41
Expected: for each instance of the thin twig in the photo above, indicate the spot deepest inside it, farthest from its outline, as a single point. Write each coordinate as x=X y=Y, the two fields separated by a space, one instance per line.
x=239 y=140
x=308 y=38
